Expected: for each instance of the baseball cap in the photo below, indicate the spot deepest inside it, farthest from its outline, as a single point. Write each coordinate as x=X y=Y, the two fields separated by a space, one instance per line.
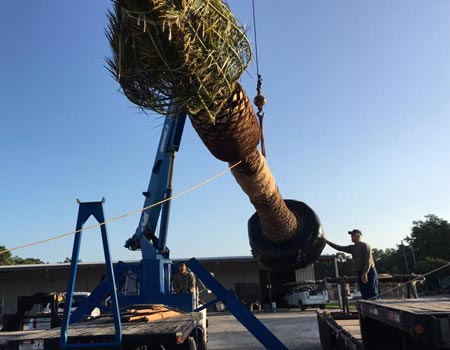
x=355 y=231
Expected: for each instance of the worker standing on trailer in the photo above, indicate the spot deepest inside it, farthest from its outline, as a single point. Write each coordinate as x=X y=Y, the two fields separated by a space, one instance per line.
x=184 y=280
x=364 y=263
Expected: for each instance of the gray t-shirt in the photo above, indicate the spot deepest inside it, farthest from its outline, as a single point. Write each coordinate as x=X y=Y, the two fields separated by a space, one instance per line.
x=184 y=283
x=361 y=253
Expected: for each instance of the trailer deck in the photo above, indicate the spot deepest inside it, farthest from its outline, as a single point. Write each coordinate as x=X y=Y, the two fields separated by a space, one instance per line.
x=339 y=330
x=388 y=324
x=405 y=324
x=168 y=332
x=351 y=327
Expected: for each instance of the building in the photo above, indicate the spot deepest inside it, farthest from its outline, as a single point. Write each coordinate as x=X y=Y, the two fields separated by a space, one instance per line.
x=243 y=274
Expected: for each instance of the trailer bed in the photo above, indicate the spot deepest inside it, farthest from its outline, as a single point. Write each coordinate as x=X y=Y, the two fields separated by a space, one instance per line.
x=339 y=330
x=351 y=327
x=388 y=325
x=405 y=324
x=416 y=306
x=165 y=331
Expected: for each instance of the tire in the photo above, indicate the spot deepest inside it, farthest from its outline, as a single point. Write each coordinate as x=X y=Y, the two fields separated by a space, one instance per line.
x=322 y=307
x=301 y=306
x=202 y=346
x=190 y=344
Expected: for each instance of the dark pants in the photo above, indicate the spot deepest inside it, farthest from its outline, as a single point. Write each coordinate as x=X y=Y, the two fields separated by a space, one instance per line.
x=370 y=289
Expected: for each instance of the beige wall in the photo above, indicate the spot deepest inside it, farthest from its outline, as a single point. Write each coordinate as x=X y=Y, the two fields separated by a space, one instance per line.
x=55 y=278
x=231 y=273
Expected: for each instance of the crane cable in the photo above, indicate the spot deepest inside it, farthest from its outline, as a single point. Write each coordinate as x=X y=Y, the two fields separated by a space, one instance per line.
x=120 y=217
x=259 y=99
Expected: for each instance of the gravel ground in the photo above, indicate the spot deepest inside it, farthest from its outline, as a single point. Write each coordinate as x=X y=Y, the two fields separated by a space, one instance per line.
x=297 y=330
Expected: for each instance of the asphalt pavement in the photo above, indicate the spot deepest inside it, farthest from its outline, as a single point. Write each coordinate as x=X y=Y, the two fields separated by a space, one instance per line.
x=296 y=329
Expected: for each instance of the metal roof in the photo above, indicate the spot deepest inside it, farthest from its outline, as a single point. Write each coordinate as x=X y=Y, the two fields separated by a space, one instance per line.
x=220 y=259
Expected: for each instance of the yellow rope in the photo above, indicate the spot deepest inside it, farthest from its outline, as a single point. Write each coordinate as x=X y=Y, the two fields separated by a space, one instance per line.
x=117 y=218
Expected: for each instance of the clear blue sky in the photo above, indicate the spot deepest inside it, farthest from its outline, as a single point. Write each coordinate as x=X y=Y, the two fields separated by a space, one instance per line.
x=357 y=125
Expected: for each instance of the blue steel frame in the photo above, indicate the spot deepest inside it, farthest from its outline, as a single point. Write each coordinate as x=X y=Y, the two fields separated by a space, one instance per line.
x=159 y=188
x=85 y=211
x=234 y=305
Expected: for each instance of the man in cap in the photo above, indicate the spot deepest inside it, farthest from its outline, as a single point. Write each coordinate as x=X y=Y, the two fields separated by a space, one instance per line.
x=364 y=263
x=184 y=280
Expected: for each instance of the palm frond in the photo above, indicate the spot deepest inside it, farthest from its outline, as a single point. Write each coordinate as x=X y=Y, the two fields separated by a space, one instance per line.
x=176 y=55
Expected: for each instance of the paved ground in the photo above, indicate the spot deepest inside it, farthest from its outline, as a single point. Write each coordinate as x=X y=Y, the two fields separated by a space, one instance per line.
x=297 y=330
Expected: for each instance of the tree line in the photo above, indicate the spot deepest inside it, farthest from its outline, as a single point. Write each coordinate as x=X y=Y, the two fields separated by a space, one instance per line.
x=6 y=258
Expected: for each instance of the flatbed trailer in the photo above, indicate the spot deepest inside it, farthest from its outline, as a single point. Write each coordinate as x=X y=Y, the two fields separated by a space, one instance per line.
x=388 y=325
x=339 y=330
x=173 y=333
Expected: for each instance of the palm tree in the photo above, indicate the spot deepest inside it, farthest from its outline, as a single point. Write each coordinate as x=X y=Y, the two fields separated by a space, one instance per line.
x=186 y=55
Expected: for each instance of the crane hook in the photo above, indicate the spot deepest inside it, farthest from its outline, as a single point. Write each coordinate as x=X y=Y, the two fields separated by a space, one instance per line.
x=259 y=102
x=259 y=99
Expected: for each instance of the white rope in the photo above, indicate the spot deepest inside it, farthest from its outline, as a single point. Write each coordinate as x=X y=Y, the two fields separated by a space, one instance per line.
x=117 y=218
x=417 y=278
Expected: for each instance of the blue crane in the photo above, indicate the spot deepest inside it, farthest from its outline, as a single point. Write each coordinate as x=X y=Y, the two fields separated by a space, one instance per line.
x=153 y=272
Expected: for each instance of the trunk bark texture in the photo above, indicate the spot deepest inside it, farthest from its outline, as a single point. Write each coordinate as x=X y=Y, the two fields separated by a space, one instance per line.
x=234 y=137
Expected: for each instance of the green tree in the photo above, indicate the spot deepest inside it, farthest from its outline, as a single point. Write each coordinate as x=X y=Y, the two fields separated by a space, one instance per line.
x=324 y=269
x=391 y=262
x=429 y=264
x=430 y=238
x=16 y=260
x=6 y=258
x=68 y=260
x=377 y=254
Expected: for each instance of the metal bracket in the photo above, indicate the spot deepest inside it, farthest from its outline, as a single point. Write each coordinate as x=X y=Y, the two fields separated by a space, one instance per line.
x=85 y=210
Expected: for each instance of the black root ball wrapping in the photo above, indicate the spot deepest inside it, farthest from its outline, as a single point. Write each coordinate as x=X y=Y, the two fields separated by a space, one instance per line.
x=299 y=252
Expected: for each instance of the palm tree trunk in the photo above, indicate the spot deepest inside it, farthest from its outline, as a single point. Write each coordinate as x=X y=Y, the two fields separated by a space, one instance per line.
x=278 y=223
x=234 y=137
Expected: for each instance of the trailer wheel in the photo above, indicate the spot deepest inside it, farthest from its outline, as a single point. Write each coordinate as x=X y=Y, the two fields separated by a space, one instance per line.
x=301 y=306
x=199 y=336
x=190 y=344
x=201 y=345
